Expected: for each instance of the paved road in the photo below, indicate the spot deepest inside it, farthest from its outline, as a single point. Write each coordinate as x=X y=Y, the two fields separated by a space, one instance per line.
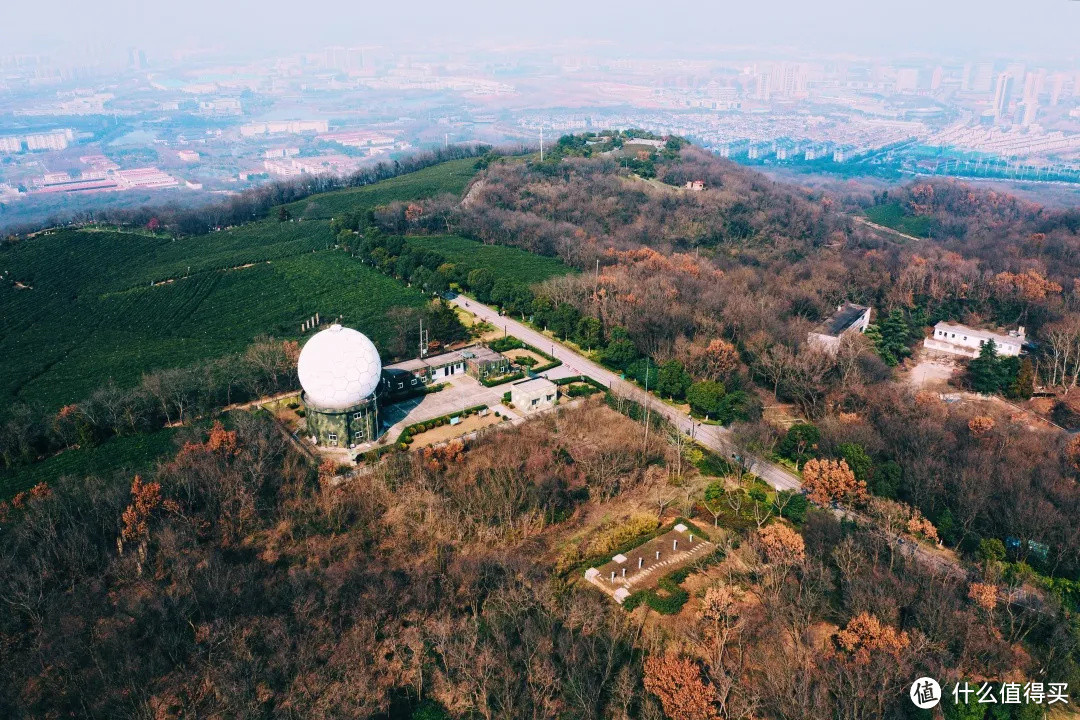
x=714 y=437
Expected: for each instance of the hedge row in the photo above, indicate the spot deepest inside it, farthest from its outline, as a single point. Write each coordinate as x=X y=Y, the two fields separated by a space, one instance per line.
x=406 y=437
x=581 y=379
x=512 y=343
x=502 y=379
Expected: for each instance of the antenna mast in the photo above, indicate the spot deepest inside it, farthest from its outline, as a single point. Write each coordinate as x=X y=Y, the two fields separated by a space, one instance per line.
x=423 y=339
x=541 y=143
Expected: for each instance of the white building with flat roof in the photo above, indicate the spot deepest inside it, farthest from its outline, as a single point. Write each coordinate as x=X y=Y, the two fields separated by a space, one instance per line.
x=963 y=340
x=532 y=395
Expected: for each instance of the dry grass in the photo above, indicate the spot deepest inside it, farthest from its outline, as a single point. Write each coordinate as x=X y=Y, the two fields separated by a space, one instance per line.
x=449 y=432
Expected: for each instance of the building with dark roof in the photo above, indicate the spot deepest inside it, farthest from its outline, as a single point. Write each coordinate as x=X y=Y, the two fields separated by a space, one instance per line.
x=848 y=318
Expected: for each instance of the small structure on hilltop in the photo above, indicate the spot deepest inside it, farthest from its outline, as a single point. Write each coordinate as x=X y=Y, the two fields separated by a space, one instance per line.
x=695 y=185
x=848 y=318
x=643 y=566
x=340 y=372
x=477 y=361
x=959 y=339
x=535 y=394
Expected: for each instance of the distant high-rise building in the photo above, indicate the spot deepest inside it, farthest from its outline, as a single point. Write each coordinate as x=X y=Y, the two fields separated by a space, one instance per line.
x=762 y=90
x=1001 y=95
x=907 y=80
x=935 y=78
x=983 y=79
x=966 y=77
x=359 y=60
x=788 y=78
x=335 y=58
x=1033 y=84
x=136 y=59
x=1033 y=87
x=1057 y=88
x=1031 y=109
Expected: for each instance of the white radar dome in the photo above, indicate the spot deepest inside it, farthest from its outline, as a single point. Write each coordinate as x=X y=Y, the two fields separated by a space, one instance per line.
x=338 y=368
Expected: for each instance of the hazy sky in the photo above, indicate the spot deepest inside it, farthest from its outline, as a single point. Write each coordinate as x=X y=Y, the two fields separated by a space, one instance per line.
x=962 y=28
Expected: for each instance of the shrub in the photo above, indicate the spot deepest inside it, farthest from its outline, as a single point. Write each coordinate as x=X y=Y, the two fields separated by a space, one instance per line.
x=608 y=539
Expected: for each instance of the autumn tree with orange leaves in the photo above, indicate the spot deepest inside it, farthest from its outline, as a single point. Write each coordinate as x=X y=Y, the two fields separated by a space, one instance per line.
x=1072 y=452
x=980 y=425
x=145 y=498
x=832 y=481
x=865 y=636
x=677 y=682
x=782 y=545
x=985 y=597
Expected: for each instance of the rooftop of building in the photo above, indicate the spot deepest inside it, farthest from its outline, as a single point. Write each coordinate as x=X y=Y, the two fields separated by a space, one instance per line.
x=534 y=385
x=999 y=336
x=454 y=357
x=845 y=316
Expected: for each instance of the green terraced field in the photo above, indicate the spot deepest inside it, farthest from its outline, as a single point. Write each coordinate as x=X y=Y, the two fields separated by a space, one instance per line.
x=77 y=339
x=449 y=177
x=512 y=263
x=128 y=455
x=104 y=304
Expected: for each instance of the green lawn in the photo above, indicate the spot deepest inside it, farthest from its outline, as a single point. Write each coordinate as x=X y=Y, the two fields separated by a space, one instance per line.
x=892 y=215
x=448 y=177
x=130 y=454
x=509 y=262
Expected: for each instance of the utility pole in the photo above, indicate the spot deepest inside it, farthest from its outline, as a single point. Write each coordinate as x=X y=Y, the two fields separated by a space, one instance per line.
x=541 y=143
x=646 y=414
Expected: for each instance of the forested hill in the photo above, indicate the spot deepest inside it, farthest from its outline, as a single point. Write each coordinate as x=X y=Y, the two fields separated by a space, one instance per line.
x=578 y=208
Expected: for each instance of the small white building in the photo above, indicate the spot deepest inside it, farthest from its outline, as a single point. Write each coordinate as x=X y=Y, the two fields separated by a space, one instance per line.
x=959 y=339
x=848 y=318
x=535 y=394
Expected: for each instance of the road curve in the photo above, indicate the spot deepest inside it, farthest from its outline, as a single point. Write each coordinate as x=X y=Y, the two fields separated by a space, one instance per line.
x=714 y=437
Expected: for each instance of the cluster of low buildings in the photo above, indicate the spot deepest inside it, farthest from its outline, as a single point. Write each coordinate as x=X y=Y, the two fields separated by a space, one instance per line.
x=294 y=166
x=103 y=177
x=948 y=337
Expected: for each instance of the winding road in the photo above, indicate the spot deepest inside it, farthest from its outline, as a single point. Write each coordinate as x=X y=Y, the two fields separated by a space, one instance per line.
x=714 y=437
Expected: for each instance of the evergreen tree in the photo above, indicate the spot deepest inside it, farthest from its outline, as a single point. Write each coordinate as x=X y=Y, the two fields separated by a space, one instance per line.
x=619 y=354
x=1023 y=386
x=892 y=337
x=800 y=443
x=984 y=372
x=705 y=398
x=673 y=380
x=589 y=333
x=857 y=459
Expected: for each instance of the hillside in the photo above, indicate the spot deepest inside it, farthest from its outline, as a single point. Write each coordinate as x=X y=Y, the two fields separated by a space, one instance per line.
x=235 y=577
